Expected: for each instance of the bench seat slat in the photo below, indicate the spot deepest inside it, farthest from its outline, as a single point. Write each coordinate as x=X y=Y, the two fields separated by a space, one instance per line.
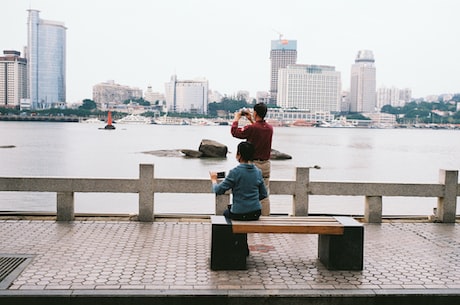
x=306 y=229
x=301 y=225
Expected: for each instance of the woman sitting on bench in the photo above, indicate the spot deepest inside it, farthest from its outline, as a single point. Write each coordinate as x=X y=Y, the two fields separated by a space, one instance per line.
x=246 y=183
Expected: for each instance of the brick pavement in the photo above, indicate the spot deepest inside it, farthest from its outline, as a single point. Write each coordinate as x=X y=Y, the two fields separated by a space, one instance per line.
x=173 y=255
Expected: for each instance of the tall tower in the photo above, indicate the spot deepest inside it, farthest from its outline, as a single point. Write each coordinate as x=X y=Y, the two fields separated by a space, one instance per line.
x=283 y=53
x=46 y=57
x=363 y=95
x=13 y=78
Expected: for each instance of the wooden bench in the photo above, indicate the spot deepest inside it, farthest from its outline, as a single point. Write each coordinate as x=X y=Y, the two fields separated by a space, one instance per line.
x=340 y=241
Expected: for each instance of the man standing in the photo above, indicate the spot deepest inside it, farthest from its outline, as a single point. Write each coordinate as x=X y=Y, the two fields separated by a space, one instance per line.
x=260 y=134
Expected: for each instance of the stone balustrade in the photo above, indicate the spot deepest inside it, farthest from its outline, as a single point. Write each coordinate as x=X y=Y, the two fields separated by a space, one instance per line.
x=447 y=191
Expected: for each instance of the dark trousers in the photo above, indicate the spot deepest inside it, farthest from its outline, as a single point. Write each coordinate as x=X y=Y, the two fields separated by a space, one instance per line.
x=254 y=215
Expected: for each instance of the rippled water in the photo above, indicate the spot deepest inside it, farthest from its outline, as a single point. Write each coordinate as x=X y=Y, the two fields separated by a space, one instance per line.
x=344 y=154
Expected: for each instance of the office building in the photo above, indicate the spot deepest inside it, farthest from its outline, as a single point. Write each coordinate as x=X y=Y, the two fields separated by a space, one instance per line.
x=13 y=79
x=363 y=83
x=152 y=96
x=187 y=95
x=283 y=53
x=315 y=88
x=394 y=97
x=109 y=95
x=46 y=57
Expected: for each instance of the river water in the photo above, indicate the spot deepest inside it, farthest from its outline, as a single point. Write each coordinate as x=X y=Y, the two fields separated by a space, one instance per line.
x=344 y=154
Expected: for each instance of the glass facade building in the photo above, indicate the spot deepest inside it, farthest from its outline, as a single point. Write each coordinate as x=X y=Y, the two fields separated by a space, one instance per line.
x=283 y=53
x=46 y=57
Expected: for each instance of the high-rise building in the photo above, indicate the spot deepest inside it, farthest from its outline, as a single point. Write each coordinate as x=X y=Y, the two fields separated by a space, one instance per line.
x=363 y=83
x=393 y=96
x=13 y=78
x=315 y=88
x=46 y=57
x=187 y=95
x=283 y=53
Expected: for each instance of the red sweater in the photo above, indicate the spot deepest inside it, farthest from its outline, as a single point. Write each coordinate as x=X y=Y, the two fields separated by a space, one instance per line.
x=259 y=134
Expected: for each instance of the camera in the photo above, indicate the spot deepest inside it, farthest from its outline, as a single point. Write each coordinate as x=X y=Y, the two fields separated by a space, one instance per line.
x=220 y=175
x=244 y=111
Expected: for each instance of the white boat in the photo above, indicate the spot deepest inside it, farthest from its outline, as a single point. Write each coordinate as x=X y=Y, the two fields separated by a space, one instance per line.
x=134 y=119
x=92 y=121
x=202 y=122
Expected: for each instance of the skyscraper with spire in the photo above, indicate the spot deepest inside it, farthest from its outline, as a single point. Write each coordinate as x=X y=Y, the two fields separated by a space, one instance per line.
x=46 y=58
x=363 y=93
x=283 y=53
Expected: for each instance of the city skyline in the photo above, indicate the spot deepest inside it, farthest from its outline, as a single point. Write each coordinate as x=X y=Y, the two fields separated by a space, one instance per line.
x=142 y=43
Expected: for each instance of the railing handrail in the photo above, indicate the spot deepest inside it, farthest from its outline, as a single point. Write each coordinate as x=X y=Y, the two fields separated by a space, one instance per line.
x=447 y=191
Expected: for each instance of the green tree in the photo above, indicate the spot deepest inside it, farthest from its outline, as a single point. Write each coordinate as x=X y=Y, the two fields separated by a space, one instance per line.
x=88 y=105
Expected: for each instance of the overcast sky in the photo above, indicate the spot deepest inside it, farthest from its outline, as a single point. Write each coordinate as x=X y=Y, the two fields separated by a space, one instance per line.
x=141 y=43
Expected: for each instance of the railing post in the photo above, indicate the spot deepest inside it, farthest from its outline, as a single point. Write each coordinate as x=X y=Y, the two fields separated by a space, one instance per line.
x=447 y=205
x=222 y=202
x=301 y=190
x=65 y=206
x=373 y=209
x=146 y=192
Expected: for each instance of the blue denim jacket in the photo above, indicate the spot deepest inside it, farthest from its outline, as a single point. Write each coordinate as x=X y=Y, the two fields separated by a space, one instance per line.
x=247 y=187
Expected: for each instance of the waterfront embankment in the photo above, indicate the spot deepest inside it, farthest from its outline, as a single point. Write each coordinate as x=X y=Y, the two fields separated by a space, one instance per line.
x=167 y=262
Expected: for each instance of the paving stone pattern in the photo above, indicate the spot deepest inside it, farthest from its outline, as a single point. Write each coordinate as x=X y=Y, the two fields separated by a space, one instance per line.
x=175 y=255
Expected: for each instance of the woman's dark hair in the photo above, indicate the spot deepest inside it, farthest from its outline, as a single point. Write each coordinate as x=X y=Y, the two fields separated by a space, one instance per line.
x=260 y=109
x=246 y=151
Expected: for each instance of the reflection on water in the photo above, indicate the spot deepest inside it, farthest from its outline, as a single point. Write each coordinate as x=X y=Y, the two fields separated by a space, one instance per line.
x=349 y=154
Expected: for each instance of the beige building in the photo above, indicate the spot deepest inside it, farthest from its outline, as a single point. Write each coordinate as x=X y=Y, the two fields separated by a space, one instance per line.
x=363 y=93
x=13 y=79
x=109 y=95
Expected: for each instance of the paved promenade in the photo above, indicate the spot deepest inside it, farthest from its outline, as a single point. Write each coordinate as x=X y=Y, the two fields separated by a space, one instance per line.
x=167 y=262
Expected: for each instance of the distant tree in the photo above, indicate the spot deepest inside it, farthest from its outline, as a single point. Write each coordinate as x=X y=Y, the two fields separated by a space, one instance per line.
x=88 y=105
x=227 y=104
x=139 y=101
x=357 y=116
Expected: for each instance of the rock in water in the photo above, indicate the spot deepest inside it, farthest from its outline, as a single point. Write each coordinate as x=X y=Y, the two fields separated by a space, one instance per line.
x=213 y=149
x=192 y=153
x=276 y=155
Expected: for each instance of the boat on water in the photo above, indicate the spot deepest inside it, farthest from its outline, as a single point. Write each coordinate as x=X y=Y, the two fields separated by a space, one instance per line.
x=134 y=119
x=92 y=121
x=202 y=122
x=304 y=123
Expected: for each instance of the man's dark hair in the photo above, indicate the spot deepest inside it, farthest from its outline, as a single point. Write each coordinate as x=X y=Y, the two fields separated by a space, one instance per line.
x=246 y=150
x=260 y=109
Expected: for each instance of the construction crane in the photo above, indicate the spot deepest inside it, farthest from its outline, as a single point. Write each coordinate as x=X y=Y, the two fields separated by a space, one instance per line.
x=282 y=41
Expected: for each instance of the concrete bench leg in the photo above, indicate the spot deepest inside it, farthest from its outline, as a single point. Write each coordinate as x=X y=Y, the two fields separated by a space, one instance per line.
x=228 y=250
x=342 y=252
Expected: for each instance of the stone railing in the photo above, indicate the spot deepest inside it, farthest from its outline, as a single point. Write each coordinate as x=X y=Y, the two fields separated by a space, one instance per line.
x=147 y=185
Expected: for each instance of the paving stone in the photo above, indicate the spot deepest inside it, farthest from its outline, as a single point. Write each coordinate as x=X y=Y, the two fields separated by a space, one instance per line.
x=98 y=255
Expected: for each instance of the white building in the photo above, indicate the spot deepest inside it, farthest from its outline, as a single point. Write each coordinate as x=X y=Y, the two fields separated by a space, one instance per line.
x=315 y=88
x=152 y=96
x=187 y=95
x=363 y=83
x=214 y=96
x=13 y=79
x=393 y=96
